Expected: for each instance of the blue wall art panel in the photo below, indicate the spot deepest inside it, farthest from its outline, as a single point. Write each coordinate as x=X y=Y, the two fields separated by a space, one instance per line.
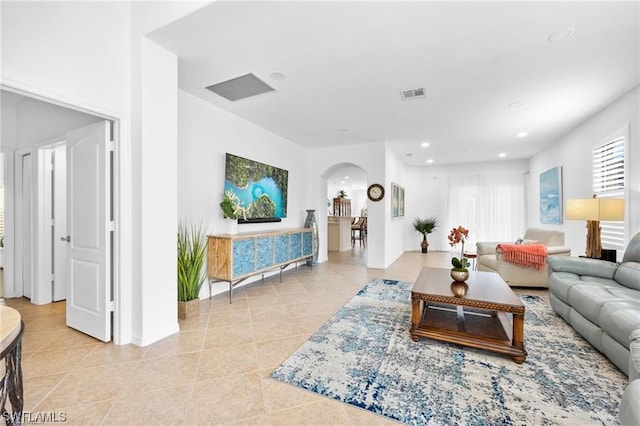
x=264 y=257
x=282 y=248
x=244 y=254
x=551 y=196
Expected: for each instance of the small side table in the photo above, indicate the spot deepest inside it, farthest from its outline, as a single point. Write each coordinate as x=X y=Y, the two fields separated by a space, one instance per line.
x=11 y=329
x=471 y=256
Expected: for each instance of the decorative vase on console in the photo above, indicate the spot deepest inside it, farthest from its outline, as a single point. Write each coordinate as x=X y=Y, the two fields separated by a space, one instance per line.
x=460 y=271
x=310 y=222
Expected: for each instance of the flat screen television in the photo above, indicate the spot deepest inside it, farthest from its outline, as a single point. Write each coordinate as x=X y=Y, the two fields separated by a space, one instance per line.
x=261 y=188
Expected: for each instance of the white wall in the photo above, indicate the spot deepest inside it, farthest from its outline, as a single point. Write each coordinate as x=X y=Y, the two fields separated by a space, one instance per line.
x=73 y=51
x=425 y=195
x=206 y=133
x=573 y=153
x=371 y=158
x=90 y=55
x=395 y=228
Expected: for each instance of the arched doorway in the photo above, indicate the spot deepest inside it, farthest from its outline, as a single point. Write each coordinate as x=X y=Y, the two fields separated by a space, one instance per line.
x=346 y=186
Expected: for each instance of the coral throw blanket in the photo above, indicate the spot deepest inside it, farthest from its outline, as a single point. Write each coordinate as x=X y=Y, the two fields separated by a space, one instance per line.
x=527 y=255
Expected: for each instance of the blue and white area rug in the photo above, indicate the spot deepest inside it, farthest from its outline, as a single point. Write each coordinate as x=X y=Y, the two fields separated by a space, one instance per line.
x=364 y=356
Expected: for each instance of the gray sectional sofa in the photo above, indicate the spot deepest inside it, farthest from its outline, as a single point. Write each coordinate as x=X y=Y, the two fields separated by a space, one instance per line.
x=601 y=301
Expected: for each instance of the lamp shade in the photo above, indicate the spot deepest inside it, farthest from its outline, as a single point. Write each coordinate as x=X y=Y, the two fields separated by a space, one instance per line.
x=597 y=209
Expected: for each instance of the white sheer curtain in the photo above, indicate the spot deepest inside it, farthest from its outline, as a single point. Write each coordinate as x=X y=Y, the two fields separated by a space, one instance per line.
x=492 y=208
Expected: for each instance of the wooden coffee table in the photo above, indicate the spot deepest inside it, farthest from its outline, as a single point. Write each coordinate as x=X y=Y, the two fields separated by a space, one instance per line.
x=478 y=319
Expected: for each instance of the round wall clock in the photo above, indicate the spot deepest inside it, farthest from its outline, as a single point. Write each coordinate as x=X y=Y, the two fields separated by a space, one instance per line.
x=375 y=192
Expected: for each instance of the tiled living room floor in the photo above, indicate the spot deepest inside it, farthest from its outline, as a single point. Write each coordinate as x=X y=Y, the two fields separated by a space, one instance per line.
x=216 y=369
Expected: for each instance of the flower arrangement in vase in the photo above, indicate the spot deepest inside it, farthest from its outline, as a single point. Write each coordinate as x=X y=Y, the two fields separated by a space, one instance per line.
x=460 y=271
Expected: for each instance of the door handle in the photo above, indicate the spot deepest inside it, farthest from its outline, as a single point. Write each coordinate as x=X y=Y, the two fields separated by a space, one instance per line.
x=67 y=238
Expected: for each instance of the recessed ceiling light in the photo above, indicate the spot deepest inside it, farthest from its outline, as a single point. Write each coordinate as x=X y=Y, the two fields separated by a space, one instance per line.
x=502 y=155
x=346 y=177
x=425 y=144
x=342 y=182
x=522 y=134
x=560 y=35
x=430 y=160
x=276 y=75
x=515 y=104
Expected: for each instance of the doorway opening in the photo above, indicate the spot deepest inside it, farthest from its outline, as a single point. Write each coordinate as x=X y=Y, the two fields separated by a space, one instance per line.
x=62 y=185
x=347 y=216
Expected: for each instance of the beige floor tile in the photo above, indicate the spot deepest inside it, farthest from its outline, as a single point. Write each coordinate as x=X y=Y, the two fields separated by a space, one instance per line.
x=227 y=361
x=90 y=413
x=36 y=388
x=225 y=400
x=271 y=353
x=60 y=360
x=92 y=384
x=108 y=353
x=228 y=335
x=274 y=329
x=269 y=312
x=163 y=373
x=322 y=412
x=180 y=343
x=217 y=368
x=160 y=407
x=230 y=317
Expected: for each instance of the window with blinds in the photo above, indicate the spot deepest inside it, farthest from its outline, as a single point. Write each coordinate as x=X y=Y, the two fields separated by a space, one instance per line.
x=609 y=182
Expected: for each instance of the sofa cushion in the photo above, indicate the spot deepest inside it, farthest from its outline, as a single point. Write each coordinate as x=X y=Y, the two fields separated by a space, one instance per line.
x=589 y=299
x=628 y=274
x=561 y=282
x=582 y=266
x=619 y=319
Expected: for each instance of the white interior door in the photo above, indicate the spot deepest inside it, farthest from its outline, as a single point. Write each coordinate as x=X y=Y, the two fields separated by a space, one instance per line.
x=88 y=227
x=59 y=230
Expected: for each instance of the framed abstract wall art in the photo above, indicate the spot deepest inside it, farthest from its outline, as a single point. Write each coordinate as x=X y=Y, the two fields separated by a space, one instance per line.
x=397 y=201
x=551 y=196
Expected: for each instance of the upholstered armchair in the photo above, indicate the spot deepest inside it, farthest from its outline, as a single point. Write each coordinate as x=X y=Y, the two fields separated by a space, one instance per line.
x=491 y=258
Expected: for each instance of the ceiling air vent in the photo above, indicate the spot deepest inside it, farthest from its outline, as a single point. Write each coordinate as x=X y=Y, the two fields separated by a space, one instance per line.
x=241 y=87
x=412 y=93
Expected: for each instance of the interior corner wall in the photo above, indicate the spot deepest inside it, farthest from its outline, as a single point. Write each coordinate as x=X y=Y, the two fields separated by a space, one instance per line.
x=206 y=134
x=573 y=153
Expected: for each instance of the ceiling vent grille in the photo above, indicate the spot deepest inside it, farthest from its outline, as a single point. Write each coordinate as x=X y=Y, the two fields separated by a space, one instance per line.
x=241 y=87
x=413 y=93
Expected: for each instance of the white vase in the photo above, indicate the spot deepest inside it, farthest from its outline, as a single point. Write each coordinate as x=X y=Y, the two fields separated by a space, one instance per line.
x=232 y=226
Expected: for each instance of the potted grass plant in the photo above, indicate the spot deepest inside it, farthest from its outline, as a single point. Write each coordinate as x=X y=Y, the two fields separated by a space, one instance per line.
x=192 y=250
x=425 y=226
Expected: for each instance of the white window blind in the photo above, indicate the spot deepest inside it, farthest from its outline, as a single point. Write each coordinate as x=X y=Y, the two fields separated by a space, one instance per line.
x=609 y=182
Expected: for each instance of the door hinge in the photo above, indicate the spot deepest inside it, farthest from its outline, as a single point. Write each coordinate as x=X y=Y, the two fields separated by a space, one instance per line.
x=112 y=306
x=111 y=145
x=111 y=226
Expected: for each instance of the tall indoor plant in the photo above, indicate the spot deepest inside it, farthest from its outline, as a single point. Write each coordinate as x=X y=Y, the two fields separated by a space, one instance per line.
x=425 y=226
x=192 y=249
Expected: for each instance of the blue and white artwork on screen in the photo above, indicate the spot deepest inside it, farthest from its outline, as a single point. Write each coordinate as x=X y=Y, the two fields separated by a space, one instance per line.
x=551 y=196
